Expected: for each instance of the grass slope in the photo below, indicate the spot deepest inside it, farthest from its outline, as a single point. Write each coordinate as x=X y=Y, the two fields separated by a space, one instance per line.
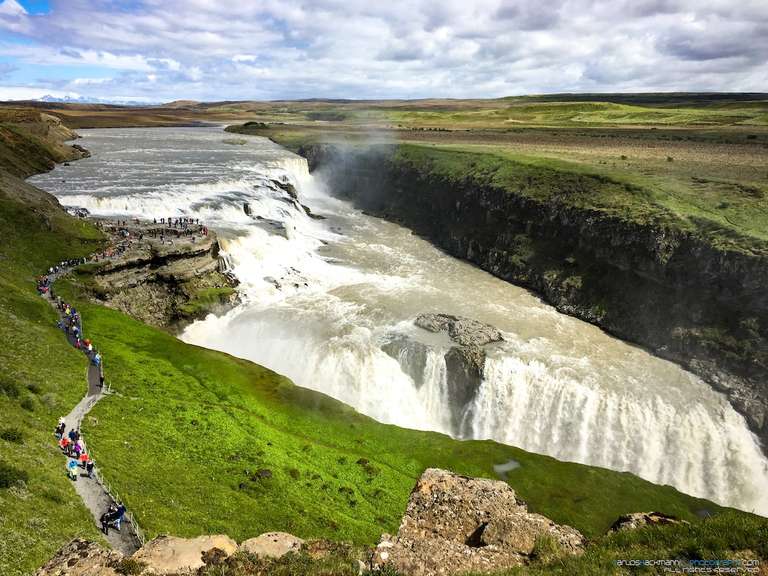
x=727 y=537
x=41 y=378
x=735 y=218
x=198 y=441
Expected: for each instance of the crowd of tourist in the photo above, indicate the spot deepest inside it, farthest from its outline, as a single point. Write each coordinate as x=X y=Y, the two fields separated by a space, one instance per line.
x=78 y=462
x=164 y=229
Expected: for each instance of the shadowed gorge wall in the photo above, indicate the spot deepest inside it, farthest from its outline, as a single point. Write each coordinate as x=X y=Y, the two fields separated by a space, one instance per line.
x=690 y=296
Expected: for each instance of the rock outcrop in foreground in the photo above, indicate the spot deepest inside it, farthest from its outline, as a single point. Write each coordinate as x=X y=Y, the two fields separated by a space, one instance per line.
x=170 y=555
x=82 y=558
x=640 y=519
x=164 y=555
x=272 y=544
x=455 y=524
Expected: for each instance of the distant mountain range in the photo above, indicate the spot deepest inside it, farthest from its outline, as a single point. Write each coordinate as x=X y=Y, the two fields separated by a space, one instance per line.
x=91 y=100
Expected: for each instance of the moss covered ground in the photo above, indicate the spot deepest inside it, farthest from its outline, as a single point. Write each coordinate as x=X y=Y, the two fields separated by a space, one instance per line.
x=206 y=299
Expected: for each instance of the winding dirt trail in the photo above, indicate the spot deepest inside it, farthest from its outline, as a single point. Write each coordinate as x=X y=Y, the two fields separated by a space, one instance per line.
x=91 y=490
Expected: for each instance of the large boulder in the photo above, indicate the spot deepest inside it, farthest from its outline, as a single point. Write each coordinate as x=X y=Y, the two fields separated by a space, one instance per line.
x=169 y=554
x=272 y=544
x=410 y=354
x=463 y=331
x=81 y=558
x=465 y=362
x=457 y=524
x=639 y=519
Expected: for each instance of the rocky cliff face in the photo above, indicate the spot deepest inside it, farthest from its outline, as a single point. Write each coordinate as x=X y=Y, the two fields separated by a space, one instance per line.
x=166 y=284
x=670 y=290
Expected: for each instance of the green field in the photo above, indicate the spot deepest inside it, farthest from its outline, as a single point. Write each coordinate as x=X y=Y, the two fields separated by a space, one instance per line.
x=711 y=183
x=734 y=217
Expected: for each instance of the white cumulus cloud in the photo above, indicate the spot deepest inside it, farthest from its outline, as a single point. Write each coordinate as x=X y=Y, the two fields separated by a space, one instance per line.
x=208 y=49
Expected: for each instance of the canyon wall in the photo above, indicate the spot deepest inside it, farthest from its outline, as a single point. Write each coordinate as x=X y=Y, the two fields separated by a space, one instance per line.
x=645 y=280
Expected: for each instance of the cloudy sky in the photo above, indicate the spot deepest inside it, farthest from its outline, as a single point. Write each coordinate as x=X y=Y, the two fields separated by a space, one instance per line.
x=160 y=50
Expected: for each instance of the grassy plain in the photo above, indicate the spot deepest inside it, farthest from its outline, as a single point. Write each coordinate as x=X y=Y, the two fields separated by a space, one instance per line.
x=700 y=159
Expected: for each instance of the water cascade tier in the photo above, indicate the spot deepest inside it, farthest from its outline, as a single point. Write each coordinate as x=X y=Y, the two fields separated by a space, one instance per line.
x=330 y=298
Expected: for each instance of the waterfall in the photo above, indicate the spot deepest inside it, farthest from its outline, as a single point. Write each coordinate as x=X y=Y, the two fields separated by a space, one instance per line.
x=704 y=449
x=695 y=442
x=331 y=303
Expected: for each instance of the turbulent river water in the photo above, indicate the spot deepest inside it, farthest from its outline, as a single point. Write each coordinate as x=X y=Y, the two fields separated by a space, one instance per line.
x=321 y=297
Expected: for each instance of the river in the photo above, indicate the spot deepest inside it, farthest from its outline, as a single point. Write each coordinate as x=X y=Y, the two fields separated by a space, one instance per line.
x=320 y=298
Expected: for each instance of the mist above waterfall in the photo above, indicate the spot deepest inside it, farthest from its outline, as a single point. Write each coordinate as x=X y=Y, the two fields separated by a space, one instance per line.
x=330 y=303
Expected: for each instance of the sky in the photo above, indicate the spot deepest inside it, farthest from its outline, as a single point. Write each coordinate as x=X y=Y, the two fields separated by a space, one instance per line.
x=163 y=50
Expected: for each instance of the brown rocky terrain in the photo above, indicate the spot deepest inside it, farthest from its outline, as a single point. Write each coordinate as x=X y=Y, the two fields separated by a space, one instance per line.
x=160 y=278
x=452 y=524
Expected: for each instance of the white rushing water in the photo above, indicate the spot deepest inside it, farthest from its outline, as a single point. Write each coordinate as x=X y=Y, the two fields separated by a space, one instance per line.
x=324 y=299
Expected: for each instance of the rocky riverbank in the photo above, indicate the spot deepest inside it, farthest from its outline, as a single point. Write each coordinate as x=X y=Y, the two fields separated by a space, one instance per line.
x=644 y=279
x=162 y=275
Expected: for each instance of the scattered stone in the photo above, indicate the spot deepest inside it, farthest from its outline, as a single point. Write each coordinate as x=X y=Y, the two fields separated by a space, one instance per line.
x=81 y=558
x=272 y=544
x=169 y=554
x=456 y=524
x=262 y=474
x=638 y=519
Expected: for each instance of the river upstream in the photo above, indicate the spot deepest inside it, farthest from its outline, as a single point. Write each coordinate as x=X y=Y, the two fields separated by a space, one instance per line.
x=320 y=298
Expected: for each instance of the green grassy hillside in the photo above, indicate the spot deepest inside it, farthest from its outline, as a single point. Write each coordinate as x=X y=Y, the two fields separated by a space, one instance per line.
x=41 y=378
x=735 y=218
x=198 y=441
